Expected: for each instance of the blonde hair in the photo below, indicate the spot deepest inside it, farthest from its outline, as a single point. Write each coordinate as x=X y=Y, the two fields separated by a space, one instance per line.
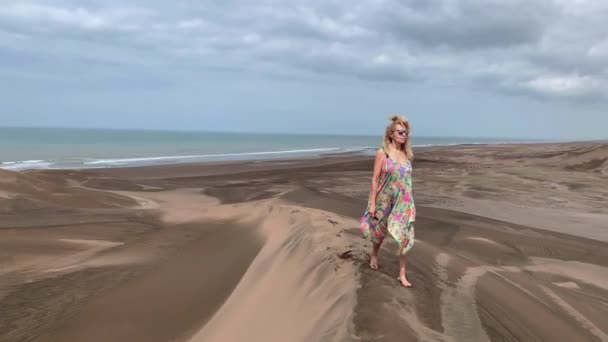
x=388 y=135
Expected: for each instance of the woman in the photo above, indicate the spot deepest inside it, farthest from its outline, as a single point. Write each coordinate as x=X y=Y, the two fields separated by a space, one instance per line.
x=391 y=205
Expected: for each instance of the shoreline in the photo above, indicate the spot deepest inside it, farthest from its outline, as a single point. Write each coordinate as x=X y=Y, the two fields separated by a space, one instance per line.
x=511 y=245
x=285 y=155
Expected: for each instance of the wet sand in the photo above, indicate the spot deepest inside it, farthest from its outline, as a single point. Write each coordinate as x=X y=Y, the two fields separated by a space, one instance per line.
x=511 y=246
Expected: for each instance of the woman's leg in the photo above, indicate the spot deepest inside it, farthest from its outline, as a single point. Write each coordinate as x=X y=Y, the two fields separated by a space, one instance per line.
x=402 y=276
x=379 y=231
x=373 y=257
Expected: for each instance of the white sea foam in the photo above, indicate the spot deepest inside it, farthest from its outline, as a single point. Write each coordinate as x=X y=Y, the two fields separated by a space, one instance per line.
x=155 y=160
x=25 y=165
x=122 y=161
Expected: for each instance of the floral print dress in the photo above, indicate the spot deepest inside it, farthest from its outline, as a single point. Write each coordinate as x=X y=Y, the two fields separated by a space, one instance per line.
x=395 y=210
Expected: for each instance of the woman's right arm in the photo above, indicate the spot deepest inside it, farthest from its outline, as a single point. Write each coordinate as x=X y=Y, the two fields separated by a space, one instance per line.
x=376 y=175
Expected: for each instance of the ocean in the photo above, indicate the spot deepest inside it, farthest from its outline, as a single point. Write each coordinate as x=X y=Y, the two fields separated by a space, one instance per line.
x=75 y=148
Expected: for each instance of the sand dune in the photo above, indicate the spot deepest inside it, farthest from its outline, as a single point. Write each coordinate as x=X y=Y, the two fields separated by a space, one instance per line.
x=512 y=246
x=593 y=158
x=296 y=289
x=532 y=185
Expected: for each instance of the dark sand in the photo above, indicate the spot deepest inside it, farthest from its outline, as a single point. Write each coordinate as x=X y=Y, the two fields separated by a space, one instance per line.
x=511 y=246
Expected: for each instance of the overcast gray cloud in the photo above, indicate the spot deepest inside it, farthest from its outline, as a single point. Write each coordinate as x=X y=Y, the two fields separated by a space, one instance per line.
x=545 y=50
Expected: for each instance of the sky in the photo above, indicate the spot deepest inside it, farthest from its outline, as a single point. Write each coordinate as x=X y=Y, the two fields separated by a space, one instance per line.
x=476 y=68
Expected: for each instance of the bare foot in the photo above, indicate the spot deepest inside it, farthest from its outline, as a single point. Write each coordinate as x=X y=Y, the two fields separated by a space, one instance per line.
x=373 y=262
x=403 y=280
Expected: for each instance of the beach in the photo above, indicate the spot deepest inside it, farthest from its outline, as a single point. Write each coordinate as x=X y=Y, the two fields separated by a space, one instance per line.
x=512 y=245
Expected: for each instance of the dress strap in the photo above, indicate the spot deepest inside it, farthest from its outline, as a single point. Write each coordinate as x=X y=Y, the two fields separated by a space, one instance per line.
x=386 y=157
x=385 y=153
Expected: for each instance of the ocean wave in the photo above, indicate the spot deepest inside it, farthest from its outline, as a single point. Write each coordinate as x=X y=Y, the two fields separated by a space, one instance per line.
x=25 y=165
x=206 y=156
x=156 y=160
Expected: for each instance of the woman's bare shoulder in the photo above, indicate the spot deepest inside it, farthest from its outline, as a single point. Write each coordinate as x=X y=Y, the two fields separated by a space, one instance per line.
x=380 y=153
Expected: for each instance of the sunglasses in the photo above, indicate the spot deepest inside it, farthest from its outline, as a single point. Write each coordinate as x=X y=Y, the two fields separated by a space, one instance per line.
x=402 y=132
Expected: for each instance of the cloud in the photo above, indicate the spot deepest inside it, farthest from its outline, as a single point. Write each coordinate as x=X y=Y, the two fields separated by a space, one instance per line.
x=554 y=49
x=189 y=24
x=563 y=85
x=465 y=24
x=73 y=17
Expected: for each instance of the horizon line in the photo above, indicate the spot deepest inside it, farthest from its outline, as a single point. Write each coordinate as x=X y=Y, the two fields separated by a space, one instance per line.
x=178 y=130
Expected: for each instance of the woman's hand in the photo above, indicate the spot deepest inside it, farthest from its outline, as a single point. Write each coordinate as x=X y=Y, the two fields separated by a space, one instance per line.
x=372 y=211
